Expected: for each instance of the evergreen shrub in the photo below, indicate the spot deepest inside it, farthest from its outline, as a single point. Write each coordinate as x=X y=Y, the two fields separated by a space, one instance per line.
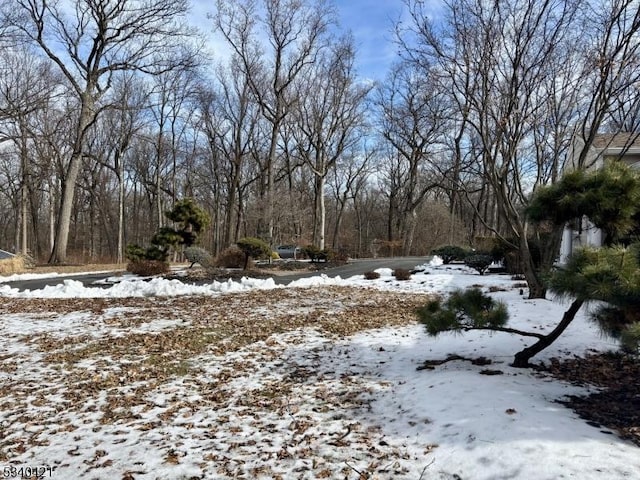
x=480 y=263
x=315 y=254
x=610 y=275
x=253 y=248
x=463 y=310
x=450 y=253
x=198 y=255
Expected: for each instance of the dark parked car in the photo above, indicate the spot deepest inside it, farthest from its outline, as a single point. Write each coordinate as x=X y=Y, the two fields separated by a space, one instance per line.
x=288 y=251
x=6 y=255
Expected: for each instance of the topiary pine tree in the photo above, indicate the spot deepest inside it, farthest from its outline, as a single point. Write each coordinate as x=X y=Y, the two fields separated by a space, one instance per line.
x=480 y=263
x=610 y=274
x=611 y=277
x=164 y=239
x=315 y=254
x=191 y=220
x=450 y=253
x=253 y=248
x=611 y=199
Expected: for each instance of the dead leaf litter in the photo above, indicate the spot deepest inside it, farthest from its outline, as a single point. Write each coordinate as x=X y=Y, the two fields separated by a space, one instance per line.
x=251 y=385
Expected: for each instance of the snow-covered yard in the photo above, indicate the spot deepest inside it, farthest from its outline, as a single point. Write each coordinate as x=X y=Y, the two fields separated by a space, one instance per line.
x=161 y=380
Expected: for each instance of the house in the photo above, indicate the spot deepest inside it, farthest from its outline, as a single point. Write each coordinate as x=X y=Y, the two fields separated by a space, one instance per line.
x=606 y=147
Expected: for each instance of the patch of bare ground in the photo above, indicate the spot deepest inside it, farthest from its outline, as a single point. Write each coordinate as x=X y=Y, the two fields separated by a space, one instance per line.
x=616 y=405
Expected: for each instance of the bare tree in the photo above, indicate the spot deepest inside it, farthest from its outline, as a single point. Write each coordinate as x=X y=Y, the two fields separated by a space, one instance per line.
x=171 y=106
x=328 y=122
x=229 y=118
x=116 y=131
x=347 y=181
x=411 y=119
x=91 y=41
x=27 y=85
x=625 y=115
x=611 y=62
x=515 y=63
x=272 y=57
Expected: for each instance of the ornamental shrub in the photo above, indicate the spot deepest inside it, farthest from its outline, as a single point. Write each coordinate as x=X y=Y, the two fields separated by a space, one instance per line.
x=198 y=255
x=134 y=252
x=610 y=276
x=191 y=220
x=147 y=268
x=253 y=248
x=450 y=253
x=630 y=338
x=371 y=275
x=402 y=274
x=480 y=263
x=315 y=254
x=231 y=257
x=340 y=257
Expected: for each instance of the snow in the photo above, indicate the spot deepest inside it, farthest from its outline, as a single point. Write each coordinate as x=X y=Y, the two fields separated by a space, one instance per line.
x=304 y=403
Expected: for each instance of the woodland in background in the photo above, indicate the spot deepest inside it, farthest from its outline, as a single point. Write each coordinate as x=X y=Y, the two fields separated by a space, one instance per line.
x=112 y=111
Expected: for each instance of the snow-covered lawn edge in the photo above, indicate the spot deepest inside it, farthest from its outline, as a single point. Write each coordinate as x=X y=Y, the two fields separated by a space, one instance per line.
x=304 y=403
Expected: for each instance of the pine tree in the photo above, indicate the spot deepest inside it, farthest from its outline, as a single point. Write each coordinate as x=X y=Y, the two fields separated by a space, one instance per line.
x=464 y=310
x=253 y=248
x=610 y=274
x=191 y=220
x=610 y=198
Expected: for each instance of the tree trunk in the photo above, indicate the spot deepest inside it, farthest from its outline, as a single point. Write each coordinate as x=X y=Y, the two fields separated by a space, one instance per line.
x=24 y=198
x=158 y=186
x=338 y=224
x=537 y=288
x=315 y=231
x=23 y=219
x=267 y=235
x=230 y=211
x=358 y=227
x=323 y=213
x=35 y=204
x=411 y=220
x=119 y=255
x=59 y=254
x=87 y=116
x=521 y=359
x=52 y=220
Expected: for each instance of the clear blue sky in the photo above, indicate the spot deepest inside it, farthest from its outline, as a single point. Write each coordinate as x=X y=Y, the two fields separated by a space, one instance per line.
x=370 y=21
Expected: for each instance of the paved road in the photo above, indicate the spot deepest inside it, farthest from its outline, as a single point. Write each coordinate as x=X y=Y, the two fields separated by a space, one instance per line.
x=357 y=267
x=354 y=267
x=40 y=283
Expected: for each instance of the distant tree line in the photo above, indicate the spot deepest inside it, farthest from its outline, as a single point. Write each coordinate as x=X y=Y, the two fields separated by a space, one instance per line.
x=111 y=112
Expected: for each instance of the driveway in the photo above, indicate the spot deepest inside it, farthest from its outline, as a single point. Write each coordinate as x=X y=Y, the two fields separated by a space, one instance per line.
x=354 y=267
